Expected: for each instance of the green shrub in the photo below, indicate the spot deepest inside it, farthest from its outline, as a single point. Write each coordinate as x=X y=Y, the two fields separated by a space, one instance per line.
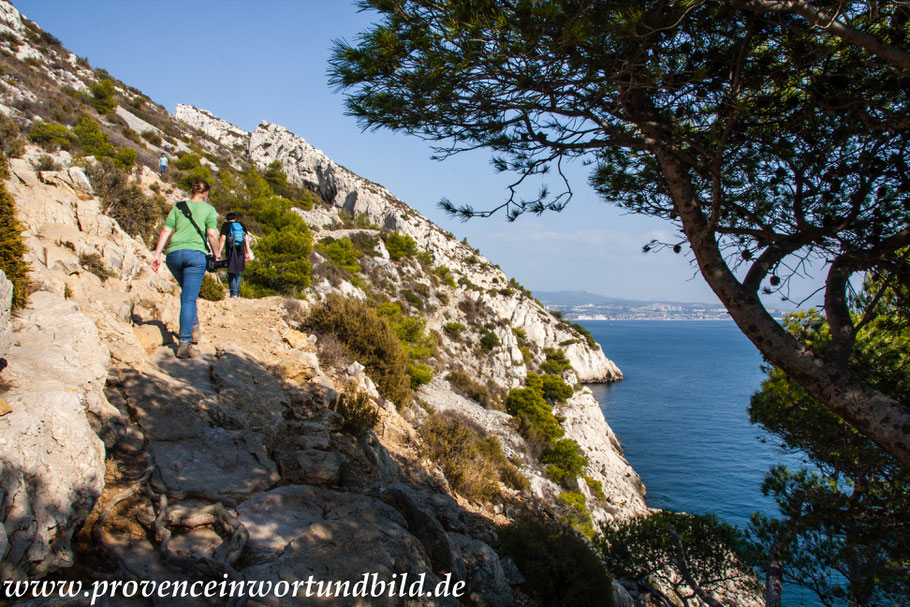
x=425 y=258
x=536 y=421
x=51 y=136
x=400 y=246
x=91 y=140
x=137 y=214
x=416 y=343
x=471 y=460
x=556 y=362
x=103 y=96
x=560 y=568
x=153 y=137
x=553 y=388
x=467 y=386
x=359 y=413
x=488 y=341
x=341 y=251
x=281 y=266
x=126 y=157
x=565 y=462
x=12 y=247
x=526 y=354
x=420 y=375
x=575 y=513
x=187 y=161
x=211 y=289
x=596 y=487
x=369 y=339
x=93 y=263
x=412 y=298
x=592 y=343
x=453 y=329
x=365 y=243
x=11 y=143
x=446 y=274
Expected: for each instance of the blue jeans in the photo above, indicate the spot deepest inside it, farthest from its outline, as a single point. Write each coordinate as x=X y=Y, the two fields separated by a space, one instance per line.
x=188 y=267
x=234 y=284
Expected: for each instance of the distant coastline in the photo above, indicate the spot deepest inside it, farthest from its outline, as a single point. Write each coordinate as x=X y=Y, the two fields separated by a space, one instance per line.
x=587 y=306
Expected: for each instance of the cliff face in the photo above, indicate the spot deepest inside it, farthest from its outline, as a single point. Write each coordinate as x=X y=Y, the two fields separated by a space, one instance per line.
x=244 y=447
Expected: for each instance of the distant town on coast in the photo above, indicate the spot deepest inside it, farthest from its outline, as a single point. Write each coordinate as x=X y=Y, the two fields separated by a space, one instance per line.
x=584 y=305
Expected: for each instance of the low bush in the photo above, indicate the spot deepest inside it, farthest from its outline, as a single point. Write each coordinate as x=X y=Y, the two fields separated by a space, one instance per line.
x=446 y=274
x=93 y=263
x=488 y=341
x=153 y=137
x=365 y=243
x=211 y=289
x=453 y=329
x=471 y=460
x=125 y=202
x=281 y=266
x=553 y=388
x=11 y=144
x=465 y=384
x=420 y=374
x=359 y=413
x=596 y=487
x=400 y=246
x=103 y=96
x=51 y=136
x=12 y=247
x=369 y=339
x=536 y=422
x=342 y=251
x=556 y=363
x=565 y=462
x=575 y=513
x=560 y=567
x=589 y=339
x=412 y=298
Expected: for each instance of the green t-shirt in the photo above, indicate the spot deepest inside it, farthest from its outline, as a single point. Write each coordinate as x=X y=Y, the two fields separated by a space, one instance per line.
x=185 y=235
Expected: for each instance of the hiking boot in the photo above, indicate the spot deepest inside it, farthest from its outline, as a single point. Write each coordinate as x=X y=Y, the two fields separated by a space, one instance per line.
x=197 y=333
x=185 y=350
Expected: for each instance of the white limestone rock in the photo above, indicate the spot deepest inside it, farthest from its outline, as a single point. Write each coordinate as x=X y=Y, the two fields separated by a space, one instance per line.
x=51 y=458
x=219 y=130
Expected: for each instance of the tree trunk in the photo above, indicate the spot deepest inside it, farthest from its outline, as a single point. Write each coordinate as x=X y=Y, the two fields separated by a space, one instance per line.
x=879 y=417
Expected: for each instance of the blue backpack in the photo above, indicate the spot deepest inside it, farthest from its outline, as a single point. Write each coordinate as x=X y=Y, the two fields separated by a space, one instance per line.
x=235 y=236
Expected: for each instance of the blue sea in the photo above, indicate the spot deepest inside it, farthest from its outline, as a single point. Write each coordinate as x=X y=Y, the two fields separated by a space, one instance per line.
x=681 y=415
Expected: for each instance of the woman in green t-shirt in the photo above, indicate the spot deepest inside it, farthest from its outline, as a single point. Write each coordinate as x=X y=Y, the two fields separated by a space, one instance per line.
x=186 y=259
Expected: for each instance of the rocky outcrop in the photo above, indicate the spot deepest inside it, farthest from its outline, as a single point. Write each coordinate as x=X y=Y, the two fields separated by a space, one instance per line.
x=355 y=196
x=51 y=456
x=232 y=137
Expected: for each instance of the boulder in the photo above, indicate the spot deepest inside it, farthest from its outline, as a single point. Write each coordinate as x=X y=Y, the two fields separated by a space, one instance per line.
x=488 y=585
x=301 y=531
x=426 y=528
x=51 y=458
x=318 y=467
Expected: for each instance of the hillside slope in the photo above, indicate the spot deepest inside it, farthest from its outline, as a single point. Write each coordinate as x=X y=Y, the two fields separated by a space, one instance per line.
x=248 y=461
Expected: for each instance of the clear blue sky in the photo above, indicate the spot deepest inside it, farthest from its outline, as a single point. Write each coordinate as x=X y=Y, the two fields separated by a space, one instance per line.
x=267 y=60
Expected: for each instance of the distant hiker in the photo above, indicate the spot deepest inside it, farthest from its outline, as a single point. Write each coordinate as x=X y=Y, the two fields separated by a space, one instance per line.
x=162 y=163
x=234 y=238
x=186 y=257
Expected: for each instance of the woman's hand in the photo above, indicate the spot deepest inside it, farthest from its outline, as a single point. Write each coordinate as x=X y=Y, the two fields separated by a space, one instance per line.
x=156 y=261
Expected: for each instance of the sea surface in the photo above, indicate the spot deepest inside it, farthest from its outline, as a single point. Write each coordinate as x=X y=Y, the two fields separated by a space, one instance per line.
x=681 y=415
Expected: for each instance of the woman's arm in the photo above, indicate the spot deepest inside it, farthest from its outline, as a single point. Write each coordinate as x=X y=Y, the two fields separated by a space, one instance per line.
x=162 y=240
x=213 y=240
